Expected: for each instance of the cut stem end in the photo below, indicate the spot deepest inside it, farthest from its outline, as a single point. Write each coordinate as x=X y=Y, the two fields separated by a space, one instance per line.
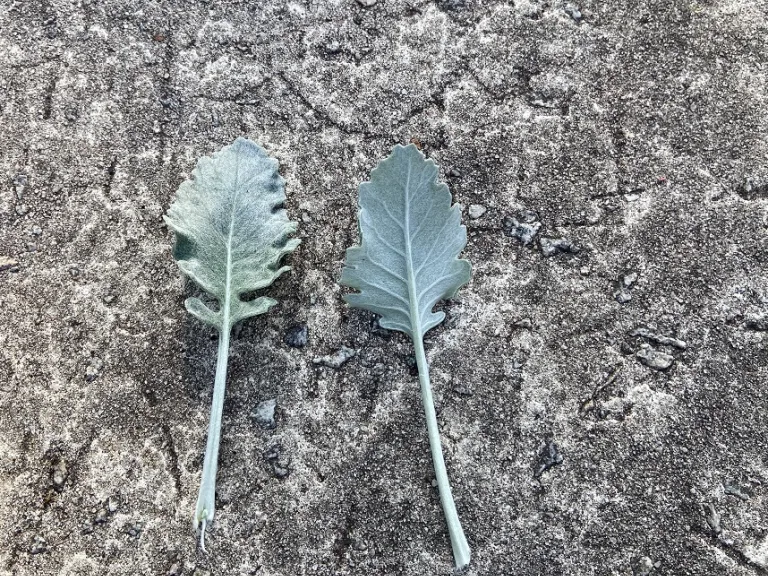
x=202 y=536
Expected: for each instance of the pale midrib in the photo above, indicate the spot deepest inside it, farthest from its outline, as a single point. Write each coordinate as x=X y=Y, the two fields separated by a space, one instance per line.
x=228 y=277
x=412 y=297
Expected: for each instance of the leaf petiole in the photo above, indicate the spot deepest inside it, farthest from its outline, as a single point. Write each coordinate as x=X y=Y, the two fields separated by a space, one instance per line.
x=206 y=500
x=459 y=545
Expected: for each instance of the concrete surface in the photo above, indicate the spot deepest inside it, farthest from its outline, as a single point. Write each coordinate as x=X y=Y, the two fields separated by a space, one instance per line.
x=625 y=142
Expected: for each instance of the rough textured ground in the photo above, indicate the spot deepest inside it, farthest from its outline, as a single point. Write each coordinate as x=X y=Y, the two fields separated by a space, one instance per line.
x=636 y=131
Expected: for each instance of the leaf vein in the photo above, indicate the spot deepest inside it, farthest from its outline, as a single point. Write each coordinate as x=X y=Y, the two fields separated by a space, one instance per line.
x=386 y=243
x=432 y=248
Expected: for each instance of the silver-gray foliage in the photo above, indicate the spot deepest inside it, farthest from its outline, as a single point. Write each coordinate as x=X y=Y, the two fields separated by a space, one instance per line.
x=408 y=261
x=229 y=240
x=231 y=236
x=411 y=238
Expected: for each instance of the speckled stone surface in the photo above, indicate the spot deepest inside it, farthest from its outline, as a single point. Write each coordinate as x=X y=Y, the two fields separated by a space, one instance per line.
x=634 y=132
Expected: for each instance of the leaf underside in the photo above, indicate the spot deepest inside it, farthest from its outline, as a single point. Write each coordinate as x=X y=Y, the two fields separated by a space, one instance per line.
x=232 y=231
x=407 y=260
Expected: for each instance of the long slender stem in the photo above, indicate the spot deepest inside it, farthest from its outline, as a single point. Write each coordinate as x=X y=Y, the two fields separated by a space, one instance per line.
x=206 y=501
x=461 y=552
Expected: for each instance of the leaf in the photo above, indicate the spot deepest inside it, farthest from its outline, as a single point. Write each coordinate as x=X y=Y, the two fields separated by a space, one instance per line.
x=411 y=238
x=231 y=235
x=408 y=261
x=231 y=231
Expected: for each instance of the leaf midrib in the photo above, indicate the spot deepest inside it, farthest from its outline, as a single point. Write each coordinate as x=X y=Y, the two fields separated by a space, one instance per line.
x=412 y=297
x=228 y=278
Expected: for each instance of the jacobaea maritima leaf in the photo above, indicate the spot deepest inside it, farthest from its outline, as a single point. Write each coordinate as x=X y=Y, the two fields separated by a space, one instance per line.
x=231 y=236
x=408 y=261
x=411 y=238
x=230 y=239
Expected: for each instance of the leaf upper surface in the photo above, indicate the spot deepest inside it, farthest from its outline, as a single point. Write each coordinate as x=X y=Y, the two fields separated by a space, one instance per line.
x=407 y=260
x=231 y=230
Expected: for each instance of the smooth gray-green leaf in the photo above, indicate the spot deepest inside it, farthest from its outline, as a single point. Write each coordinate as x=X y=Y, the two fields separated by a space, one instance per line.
x=411 y=239
x=231 y=231
x=407 y=261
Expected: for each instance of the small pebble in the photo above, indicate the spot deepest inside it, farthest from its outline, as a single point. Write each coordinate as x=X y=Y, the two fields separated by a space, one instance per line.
x=524 y=228
x=643 y=566
x=265 y=413
x=297 y=336
x=549 y=456
x=622 y=295
x=757 y=322
x=736 y=491
x=573 y=11
x=59 y=473
x=333 y=47
x=752 y=190
x=39 y=545
x=7 y=263
x=360 y=545
x=101 y=516
x=280 y=470
x=629 y=279
x=713 y=518
x=20 y=183
x=366 y=3
x=272 y=453
x=259 y=521
x=553 y=246
x=93 y=369
x=337 y=359
x=655 y=359
x=524 y=323
x=279 y=464
x=476 y=211
x=658 y=338
x=462 y=390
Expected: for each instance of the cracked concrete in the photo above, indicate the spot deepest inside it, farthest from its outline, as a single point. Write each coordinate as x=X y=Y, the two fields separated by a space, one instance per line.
x=636 y=131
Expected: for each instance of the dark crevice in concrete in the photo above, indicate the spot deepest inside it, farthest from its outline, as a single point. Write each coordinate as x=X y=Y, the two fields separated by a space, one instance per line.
x=592 y=404
x=111 y=169
x=48 y=99
x=76 y=462
x=344 y=541
x=166 y=88
x=173 y=457
x=734 y=553
x=321 y=113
